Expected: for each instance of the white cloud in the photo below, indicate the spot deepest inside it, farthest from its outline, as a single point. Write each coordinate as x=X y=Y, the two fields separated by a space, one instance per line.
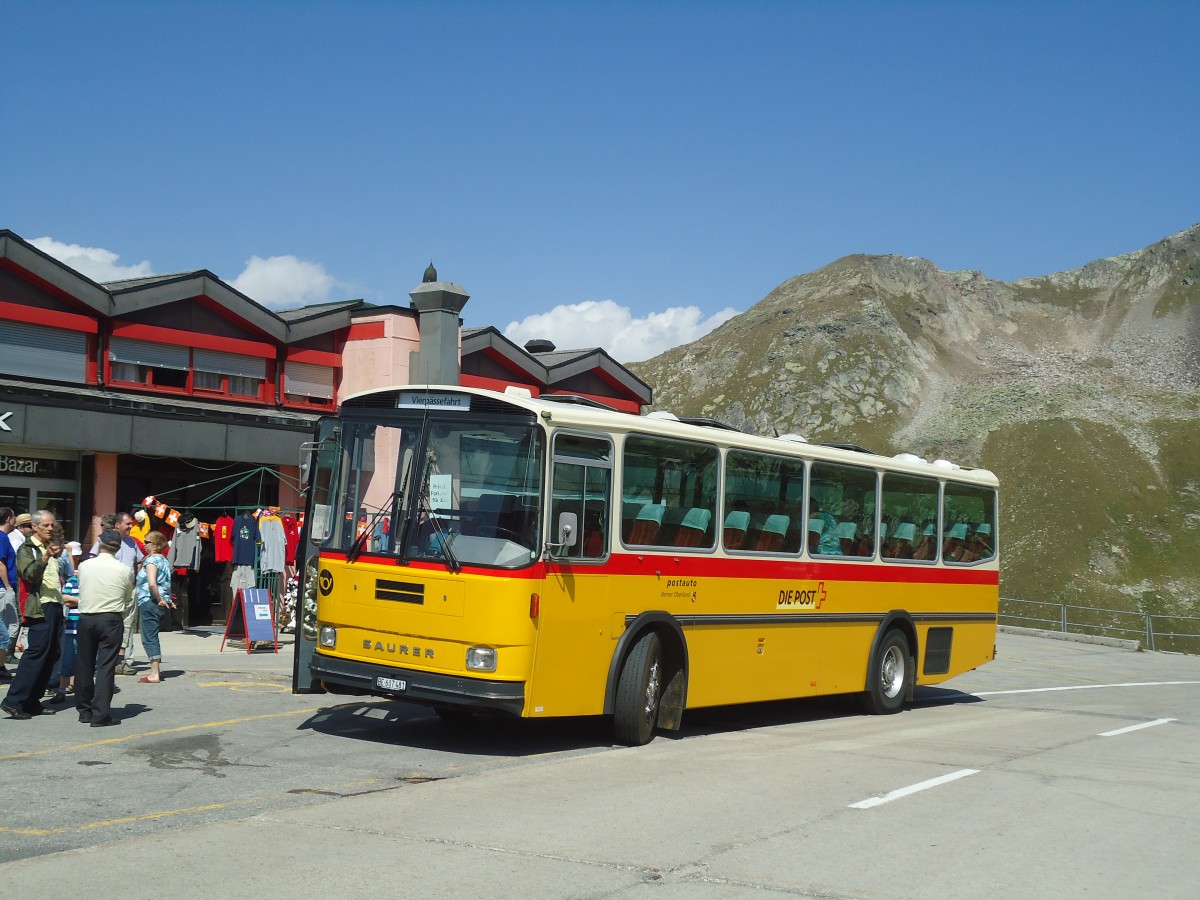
x=96 y=263
x=283 y=281
x=604 y=323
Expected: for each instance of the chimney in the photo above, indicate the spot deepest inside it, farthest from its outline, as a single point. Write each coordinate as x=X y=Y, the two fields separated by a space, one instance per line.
x=438 y=304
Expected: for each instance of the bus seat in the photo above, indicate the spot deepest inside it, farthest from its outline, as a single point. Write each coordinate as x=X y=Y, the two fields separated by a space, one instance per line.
x=816 y=526
x=902 y=541
x=646 y=526
x=593 y=531
x=694 y=528
x=593 y=543
x=927 y=547
x=773 y=532
x=846 y=532
x=953 y=547
x=736 y=524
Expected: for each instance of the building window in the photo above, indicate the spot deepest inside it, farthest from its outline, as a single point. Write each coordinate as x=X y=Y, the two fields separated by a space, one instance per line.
x=148 y=363
x=232 y=374
x=35 y=351
x=197 y=372
x=308 y=384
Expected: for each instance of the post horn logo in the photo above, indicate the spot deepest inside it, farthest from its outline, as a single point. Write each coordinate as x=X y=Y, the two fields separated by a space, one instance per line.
x=325 y=582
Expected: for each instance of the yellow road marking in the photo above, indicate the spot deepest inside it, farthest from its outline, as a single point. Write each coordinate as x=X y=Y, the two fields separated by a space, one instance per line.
x=256 y=687
x=124 y=820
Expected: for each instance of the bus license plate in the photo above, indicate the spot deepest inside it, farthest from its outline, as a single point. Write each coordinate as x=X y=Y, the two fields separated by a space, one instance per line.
x=390 y=684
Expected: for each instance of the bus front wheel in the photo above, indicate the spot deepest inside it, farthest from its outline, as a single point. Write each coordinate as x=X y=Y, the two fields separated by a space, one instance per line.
x=890 y=675
x=639 y=692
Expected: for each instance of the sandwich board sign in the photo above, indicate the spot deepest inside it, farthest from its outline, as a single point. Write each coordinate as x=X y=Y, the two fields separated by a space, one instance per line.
x=252 y=619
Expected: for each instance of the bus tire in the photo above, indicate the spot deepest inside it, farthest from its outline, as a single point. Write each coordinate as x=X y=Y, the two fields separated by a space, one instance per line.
x=639 y=692
x=889 y=678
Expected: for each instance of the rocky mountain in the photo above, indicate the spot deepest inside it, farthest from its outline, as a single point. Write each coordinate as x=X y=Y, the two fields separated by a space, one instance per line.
x=1080 y=389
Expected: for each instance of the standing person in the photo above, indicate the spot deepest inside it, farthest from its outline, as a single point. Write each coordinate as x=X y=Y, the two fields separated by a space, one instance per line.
x=8 y=590
x=104 y=594
x=38 y=565
x=153 y=595
x=131 y=555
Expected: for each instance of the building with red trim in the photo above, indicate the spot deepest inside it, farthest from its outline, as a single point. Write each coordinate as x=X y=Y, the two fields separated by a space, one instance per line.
x=169 y=384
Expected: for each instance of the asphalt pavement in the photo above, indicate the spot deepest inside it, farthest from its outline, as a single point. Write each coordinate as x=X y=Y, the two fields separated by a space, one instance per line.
x=1060 y=770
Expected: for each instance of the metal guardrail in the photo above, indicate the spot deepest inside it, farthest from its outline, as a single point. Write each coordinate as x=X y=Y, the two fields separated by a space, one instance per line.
x=1173 y=634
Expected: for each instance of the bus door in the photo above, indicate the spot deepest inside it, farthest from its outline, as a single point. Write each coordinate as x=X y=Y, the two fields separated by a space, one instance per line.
x=576 y=629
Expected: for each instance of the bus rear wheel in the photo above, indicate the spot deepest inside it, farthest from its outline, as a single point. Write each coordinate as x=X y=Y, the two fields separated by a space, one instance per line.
x=639 y=692
x=890 y=675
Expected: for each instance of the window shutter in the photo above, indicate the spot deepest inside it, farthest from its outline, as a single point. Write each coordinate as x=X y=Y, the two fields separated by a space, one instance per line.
x=234 y=364
x=145 y=353
x=40 y=352
x=307 y=380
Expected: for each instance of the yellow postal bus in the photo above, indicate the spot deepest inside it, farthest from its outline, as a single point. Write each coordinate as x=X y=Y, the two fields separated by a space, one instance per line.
x=549 y=557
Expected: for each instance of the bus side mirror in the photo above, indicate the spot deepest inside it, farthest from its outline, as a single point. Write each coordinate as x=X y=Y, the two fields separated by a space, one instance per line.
x=567 y=534
x=568 y=529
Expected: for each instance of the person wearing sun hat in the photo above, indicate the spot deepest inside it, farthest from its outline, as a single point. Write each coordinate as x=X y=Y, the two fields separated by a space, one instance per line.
x=22 y=529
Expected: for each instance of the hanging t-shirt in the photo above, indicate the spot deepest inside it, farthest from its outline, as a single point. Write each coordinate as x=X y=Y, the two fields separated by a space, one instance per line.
x=245 y=537
x=223 y=539
x=270 y=529
x=291 y=534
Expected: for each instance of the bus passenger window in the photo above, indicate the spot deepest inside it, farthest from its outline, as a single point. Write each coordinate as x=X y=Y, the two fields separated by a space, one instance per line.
x=972 y=510
x=907 y=499
x=842 y=503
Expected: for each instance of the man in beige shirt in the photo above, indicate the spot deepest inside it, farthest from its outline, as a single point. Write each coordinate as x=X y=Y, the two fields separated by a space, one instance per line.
x=105 y=592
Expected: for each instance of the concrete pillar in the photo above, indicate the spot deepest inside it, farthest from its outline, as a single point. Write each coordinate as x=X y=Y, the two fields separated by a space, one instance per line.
x=105 y=500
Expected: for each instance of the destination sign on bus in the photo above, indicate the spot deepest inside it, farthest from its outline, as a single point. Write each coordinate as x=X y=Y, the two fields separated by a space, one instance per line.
x=423 y=400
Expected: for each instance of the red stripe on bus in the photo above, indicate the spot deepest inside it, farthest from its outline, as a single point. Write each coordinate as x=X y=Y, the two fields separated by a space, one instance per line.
x=669 y=565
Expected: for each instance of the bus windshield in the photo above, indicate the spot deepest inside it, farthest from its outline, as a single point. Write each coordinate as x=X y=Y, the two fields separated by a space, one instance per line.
x=460 y=492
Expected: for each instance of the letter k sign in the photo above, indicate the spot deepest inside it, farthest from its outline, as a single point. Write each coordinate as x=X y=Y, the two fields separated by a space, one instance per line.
x=4 y=421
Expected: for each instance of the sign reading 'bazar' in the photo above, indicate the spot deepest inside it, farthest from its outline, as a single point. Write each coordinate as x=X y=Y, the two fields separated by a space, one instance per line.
x=31 y=465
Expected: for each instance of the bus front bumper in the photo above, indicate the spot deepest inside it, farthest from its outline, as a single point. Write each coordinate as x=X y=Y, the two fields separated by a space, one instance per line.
x=428 y=688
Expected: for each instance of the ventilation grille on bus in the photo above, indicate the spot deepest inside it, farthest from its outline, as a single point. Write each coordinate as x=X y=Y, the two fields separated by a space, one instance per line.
x=400 y=591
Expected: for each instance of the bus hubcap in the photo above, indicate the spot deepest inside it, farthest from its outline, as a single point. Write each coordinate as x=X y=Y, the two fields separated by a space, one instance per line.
x=652 y=691
x=892 y=672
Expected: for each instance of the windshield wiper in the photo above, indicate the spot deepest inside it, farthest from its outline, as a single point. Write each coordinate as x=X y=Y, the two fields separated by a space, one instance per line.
x=360 y=540
x=444 y=537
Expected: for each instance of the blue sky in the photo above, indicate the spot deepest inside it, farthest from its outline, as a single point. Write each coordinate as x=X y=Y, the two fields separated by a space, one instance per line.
x=622 y=174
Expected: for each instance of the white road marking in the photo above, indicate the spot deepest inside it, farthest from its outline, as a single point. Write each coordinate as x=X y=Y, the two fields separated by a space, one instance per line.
x=913 y=788
x=1130 y=728
x=1080 y=687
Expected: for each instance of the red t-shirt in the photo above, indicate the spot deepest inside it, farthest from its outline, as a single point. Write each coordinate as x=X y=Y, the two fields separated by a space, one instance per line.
x=223 y=539
x=291 y=536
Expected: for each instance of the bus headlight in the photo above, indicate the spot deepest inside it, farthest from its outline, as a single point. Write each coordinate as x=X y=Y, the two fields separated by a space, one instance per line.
x=481 y=659
x=327 y=636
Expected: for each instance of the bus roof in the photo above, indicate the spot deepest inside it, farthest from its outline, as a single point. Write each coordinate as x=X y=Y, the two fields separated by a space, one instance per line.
x=571 y=413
